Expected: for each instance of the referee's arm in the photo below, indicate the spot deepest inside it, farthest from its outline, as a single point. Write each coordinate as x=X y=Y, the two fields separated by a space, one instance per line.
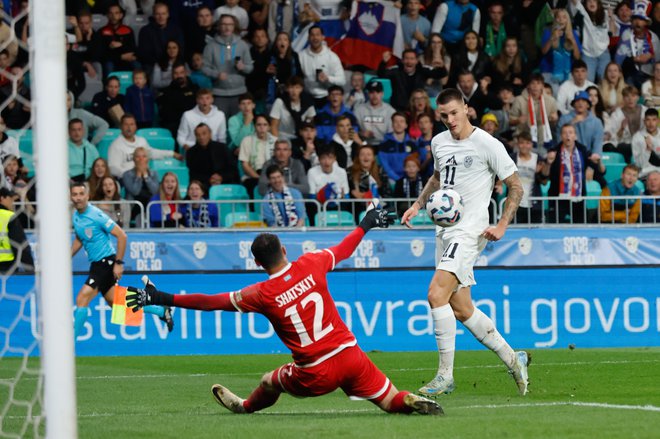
x=119 y=233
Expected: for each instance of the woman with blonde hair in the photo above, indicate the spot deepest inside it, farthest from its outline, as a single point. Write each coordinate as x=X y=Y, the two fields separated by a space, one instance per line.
x=166 y=214
x=611 y=87
x=560 y=45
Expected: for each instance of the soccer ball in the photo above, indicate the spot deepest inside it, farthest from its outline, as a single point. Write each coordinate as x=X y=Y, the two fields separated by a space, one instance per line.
x=445 y=207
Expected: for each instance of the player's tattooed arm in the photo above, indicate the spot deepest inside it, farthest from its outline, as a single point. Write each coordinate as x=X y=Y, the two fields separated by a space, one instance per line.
x=431 y=186
x=514 y=195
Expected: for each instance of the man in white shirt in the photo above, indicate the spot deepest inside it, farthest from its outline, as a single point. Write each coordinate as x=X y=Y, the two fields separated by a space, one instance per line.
x=578 y=82
x=205 y=112
x=375 y=116
x=327 y=172
x=321 y=66
x=646 y=144
x=120 y=153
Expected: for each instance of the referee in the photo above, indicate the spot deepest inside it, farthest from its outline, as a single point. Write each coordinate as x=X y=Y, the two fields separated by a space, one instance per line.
x=92 y=229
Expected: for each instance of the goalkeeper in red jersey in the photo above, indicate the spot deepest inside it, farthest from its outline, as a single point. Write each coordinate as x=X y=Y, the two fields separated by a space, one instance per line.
x=296 y=301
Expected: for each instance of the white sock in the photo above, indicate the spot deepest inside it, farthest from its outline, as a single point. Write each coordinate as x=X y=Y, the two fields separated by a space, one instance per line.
x=444 y=323
x=484 y=330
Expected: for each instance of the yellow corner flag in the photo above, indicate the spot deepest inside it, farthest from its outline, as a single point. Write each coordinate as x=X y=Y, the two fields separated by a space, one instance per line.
x=121 y=314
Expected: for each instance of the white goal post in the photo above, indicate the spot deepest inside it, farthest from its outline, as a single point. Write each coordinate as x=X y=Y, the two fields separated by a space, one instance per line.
x=54 y=230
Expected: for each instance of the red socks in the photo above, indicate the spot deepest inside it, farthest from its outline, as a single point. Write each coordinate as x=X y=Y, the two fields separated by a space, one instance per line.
x=259 y=399
x=397 y=405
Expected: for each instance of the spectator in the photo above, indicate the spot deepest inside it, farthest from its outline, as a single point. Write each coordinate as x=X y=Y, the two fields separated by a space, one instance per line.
x=257 y=80
x=120 y=153
x=529 y=166
x=507 y=98
x=255 y=150
x=625 y=122
x=611 y=87
x=15 y=235
x=282 y=15
x=81 y=153
x=285 y=207
x=291 y=109
x=241 y=124
x=14 y=177
x=508 y=67
x=646 y=144
x=327 y=180
x=140 y=183
x=292 y=169
x=621 y=210
x=357 y=94
x=18 y=109
x=116 y=43
x=204 y=112
x=493 y=34
x=588 y=127
x=374 y=117
x=9 y=147
x=227 y=60
x=131 y=6
x=366 y=180
x=75 y=74
x=477 y=98
x=140 y=100
x=154 y=38
x=407 y=76
x=469 y=57
x=490 y=124
x=100 y=170
x=651 y=207
x=423 y=144
x=109 y=103
x=326 y=118
x=210 y=161
x=619 y=22
x=162 y=70
x=306 y=144
x=87 y=41
x=284 y=65
x=5 y=72
x=435 y=56
x=598 y=109
x=651 y=89
x=410 y=185
x=198 y=214
x=595 y=38
x=232 y=9
x=176 y=99
x=345 y=142
x=637 y=64
x=167 y=214
x=568 y=89
x=559 y=46
x=540 y=123
x=107 y=198
x=453 y=18
x=185 y=14
x=566 y=167
x=202 y=32
x=197 y=75
x=321 y=67
x=415 y=27
x=419 y=104
x=396 y=146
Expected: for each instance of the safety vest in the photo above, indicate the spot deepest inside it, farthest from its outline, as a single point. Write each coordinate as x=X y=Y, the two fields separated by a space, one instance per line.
x=6 y=253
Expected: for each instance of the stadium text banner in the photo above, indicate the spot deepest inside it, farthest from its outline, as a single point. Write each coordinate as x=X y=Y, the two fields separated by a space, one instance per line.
x=393 y=249
x=387 y=310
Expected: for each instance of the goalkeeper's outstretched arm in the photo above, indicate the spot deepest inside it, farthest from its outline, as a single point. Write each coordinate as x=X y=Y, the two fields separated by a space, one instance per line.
x=137 y=298
x=373 y=218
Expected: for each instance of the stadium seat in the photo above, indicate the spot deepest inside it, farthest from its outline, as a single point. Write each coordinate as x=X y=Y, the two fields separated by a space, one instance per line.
x=613 y=171
x=243 y=219
x=172 y=165
x=98 y=21
x=612 y=157
x=104 y=145
x=640 y=185
x=159 y=138
x=593 y=190
x=92 y=86
x=24 y=139
x=229 y=192
x=544 y=193
x=28 y=161
x=334 y=218
x=136 y=22
x=125 y=80
x=421 y=219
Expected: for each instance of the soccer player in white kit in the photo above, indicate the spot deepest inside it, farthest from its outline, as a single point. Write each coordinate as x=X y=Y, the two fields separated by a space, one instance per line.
x=467 y=159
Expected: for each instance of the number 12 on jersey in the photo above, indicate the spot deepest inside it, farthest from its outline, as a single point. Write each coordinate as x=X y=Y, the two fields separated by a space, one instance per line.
x=318 y=330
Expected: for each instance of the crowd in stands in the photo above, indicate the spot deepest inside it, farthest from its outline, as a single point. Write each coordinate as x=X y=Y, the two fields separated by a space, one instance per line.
x=251 y=93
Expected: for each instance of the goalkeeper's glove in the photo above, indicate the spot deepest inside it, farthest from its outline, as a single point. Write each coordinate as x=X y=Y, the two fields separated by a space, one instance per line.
x=137 y=298
x=377 y=218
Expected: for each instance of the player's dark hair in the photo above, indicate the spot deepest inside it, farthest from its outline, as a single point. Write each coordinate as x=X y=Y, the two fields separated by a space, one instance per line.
x=449 y=94
x=267 y=250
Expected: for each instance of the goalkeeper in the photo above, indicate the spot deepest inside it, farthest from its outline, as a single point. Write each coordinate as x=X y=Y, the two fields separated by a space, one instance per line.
x=296 y=301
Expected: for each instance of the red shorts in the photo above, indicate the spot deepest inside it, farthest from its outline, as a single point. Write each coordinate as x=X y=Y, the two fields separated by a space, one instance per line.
x=351 y=370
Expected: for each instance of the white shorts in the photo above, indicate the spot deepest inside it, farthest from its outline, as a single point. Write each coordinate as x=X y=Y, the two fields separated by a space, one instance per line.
x=457 y=253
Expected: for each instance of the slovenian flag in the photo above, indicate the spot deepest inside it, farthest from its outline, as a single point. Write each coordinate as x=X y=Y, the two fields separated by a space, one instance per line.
x=121 y=314
x=375 y=27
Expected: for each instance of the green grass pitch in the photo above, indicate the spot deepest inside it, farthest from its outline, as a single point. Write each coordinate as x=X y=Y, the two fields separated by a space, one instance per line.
x=581 y=393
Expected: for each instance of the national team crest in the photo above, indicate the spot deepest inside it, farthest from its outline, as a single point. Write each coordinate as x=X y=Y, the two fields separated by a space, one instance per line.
x=89 y=232
x=370 y=19
x=417 y=247
x=308 y=246
x=468 y=161
x=199 y=249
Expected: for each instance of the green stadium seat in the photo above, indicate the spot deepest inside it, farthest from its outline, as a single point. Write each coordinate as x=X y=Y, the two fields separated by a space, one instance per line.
x=28 y=161
x=640 y=185
x=593 y=190
x=159 y=138
x=229 y=192
x=612 y=157
x=24 y=139
x=125 y=80
x=614 y=170
x=544 y=193
x=334 y=218
x=104 y=145
x=171 y=165
x=241 y=217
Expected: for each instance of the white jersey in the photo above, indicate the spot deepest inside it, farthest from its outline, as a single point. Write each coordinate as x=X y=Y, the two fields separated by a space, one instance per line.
x=469 y=167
